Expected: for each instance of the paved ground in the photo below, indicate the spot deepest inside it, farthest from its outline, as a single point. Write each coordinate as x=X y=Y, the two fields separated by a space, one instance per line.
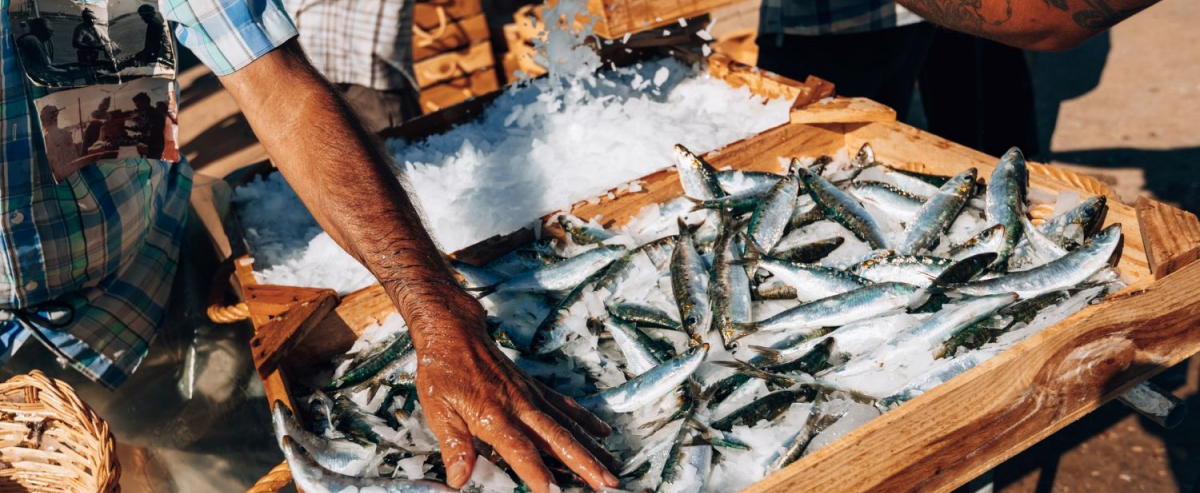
x=1123 y=107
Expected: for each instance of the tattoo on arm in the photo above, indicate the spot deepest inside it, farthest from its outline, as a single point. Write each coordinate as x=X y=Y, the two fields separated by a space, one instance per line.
x=1100 y=15
x=964 y=15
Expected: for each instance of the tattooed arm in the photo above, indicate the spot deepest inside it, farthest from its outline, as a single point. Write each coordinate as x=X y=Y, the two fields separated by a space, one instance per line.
x=1042 y=25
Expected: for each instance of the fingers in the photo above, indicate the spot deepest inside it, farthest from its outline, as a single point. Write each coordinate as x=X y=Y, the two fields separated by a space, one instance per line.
x=568 y=450
x=458 y=448
x=582 y=436
x=573 y=410
x=509 y=440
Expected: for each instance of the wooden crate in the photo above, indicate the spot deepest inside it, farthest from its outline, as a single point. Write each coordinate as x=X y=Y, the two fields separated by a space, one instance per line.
x=440 y=96
x=454 y=64
x=616 y=18
x=933 y=443
x=449 y=36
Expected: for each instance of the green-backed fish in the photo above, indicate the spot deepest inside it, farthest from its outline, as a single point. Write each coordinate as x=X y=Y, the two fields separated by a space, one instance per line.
x=582 y=232
x=772 y=215
x=990 y=240
x=561 y=276
x=650 y=386
x=808 y=253
x=1006 y=200
x=898 y=204
x=729 y=286
x=1066 y=272
x=689 y=284
x=841 y=207
x=699 y=179
x=643 y=314
x=811 y=282
x=860 y=304
x=311 y=477
x=937 y=214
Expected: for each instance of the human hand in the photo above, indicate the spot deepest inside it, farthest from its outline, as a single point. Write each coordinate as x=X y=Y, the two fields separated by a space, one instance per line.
x=467 y=388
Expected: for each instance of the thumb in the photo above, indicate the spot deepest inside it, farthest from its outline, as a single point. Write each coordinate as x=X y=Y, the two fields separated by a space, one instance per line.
x=458 y=448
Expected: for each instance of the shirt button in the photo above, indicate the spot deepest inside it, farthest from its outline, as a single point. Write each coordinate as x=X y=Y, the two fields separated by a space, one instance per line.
x=31 y=286
x=17 y=217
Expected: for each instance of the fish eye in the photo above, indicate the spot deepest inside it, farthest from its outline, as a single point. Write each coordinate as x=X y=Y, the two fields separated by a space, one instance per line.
x=691 y=320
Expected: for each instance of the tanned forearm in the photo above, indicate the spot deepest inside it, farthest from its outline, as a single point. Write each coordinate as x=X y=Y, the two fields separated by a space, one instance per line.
x=339 y=170
x=1042 y=25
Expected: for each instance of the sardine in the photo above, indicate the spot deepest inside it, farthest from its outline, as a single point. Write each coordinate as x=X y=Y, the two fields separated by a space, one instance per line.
x=937 y=214
x=340 y=456
x=648 y=387
x=561 y=276
x=729 y=286
x=699 y=179
x=477 y=277
x=582 y=232
x=815 y=360
x=354 y=422
x=689 y=284
x=641 y=352
x=894 y=202
x=737 y=204
x=811 y=282
x=1005 y=200
x=1066 y=272
x=1070 y=229
x=918 y=270
x=643 y=314
x=551 y=333
x=371 y=366
x=860 y=304
x=312 y=478
x=840 y=207
x=762 y=181
x=772 y=215
x=320 y=413
x=936 y=375
x=767 y=408
x=810 y=252
x=990 y=240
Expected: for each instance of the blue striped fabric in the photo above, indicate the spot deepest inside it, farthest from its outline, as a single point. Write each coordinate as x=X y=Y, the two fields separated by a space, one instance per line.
x=105 y=240
x=822 y=17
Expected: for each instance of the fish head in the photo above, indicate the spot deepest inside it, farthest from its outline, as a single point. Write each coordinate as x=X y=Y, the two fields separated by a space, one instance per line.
x=865 y=156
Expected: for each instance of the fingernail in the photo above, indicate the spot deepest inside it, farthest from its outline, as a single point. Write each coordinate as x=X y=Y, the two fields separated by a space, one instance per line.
x=610 y=480
x=457 y=474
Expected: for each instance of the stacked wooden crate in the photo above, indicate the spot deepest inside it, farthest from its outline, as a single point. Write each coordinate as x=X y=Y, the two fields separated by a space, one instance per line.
x=452 y=52
x=526 y=26
x=734 y=29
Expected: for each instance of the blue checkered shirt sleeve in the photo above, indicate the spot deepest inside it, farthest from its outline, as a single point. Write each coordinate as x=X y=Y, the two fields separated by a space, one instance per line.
x=229 y=34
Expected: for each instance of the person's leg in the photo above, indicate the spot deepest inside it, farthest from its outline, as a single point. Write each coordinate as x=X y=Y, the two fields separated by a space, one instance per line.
x=881 y=65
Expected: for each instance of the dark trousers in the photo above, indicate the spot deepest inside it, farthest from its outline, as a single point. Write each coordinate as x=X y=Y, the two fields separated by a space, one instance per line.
x=882 y=65
x=380 y=110
x=979 y=93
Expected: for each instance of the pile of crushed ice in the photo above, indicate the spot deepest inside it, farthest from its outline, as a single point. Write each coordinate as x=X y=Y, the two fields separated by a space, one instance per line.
x=538 y=148
x=588 y=362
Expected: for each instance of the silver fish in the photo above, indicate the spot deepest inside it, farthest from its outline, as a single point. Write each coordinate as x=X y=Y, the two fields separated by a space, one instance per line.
x=894 y=202
x=930 y=333
x=640 y=356
x=312 y=478
x=648 y=387
x=551 y=333
x=699 y=179
x=990 y=240
x=562 y=275
x=1034 y=248
x=689 y=467
x=852 y=306
x=738 y=204
x=811 y=282
x=1071 y=228
x=1006 y=200
x=340 y=456
x=728 y=287
x=689 y=284
x=737 y=180
x=1066 y=272
x=582 y=232
x=917 y=270
x=477 y=277
x=940 y=373
x=320 y=412
x=772 y=215
x=640 y=313
x=937 y=214
x=840 y=207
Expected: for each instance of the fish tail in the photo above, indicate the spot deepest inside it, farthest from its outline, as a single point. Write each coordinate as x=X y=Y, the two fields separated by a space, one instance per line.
x=482 y=292
x=772 y=355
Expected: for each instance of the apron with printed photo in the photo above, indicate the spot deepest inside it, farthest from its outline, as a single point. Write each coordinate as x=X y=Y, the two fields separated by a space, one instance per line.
x=109 y=68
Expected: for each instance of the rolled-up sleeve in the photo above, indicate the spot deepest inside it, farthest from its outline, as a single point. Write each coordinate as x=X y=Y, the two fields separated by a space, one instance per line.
x=229 y=34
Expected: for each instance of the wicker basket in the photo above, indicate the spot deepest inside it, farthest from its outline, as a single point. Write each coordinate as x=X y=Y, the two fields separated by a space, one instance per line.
x=50 y=441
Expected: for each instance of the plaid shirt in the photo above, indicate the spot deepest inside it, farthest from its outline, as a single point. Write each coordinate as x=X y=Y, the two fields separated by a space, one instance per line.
x=105 y=240
x=362 y=42
x=821 y=17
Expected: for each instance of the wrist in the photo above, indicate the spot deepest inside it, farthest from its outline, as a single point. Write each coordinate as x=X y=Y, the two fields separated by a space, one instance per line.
x=437 y=306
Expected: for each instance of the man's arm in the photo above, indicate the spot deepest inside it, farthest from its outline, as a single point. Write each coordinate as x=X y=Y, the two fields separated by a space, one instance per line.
x=1042 y=25
x=466 y=386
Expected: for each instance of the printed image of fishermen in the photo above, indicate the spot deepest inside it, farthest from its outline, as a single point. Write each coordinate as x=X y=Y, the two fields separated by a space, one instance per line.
x=83 y=126
x=67 y=43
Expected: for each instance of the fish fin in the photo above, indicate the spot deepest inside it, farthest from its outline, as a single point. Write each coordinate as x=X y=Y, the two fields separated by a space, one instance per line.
x=697 y=205
x=772 y=355
x=482 y=292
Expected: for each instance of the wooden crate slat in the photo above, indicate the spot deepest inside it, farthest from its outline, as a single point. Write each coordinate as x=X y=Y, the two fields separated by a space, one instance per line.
x=454 y=64
x=973 y=422
x=283 y=315
x=616 y=18
x=429 y=14
x=843 y=110
x=455 y=91
x=455 y=35
x=1171 y=236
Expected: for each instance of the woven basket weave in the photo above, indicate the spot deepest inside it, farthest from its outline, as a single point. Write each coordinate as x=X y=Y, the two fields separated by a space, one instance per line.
x=50 y=441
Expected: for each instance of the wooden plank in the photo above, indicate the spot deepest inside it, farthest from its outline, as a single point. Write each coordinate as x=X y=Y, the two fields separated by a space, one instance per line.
x=616 y=18
x=455 y=91
x=761 y=82
x=843 y=110
x=282 y=317
x=429 y=14
x=900 y=145
x=448 y=37
x=1171 y=236
x=454 y=64
x=973 y=422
